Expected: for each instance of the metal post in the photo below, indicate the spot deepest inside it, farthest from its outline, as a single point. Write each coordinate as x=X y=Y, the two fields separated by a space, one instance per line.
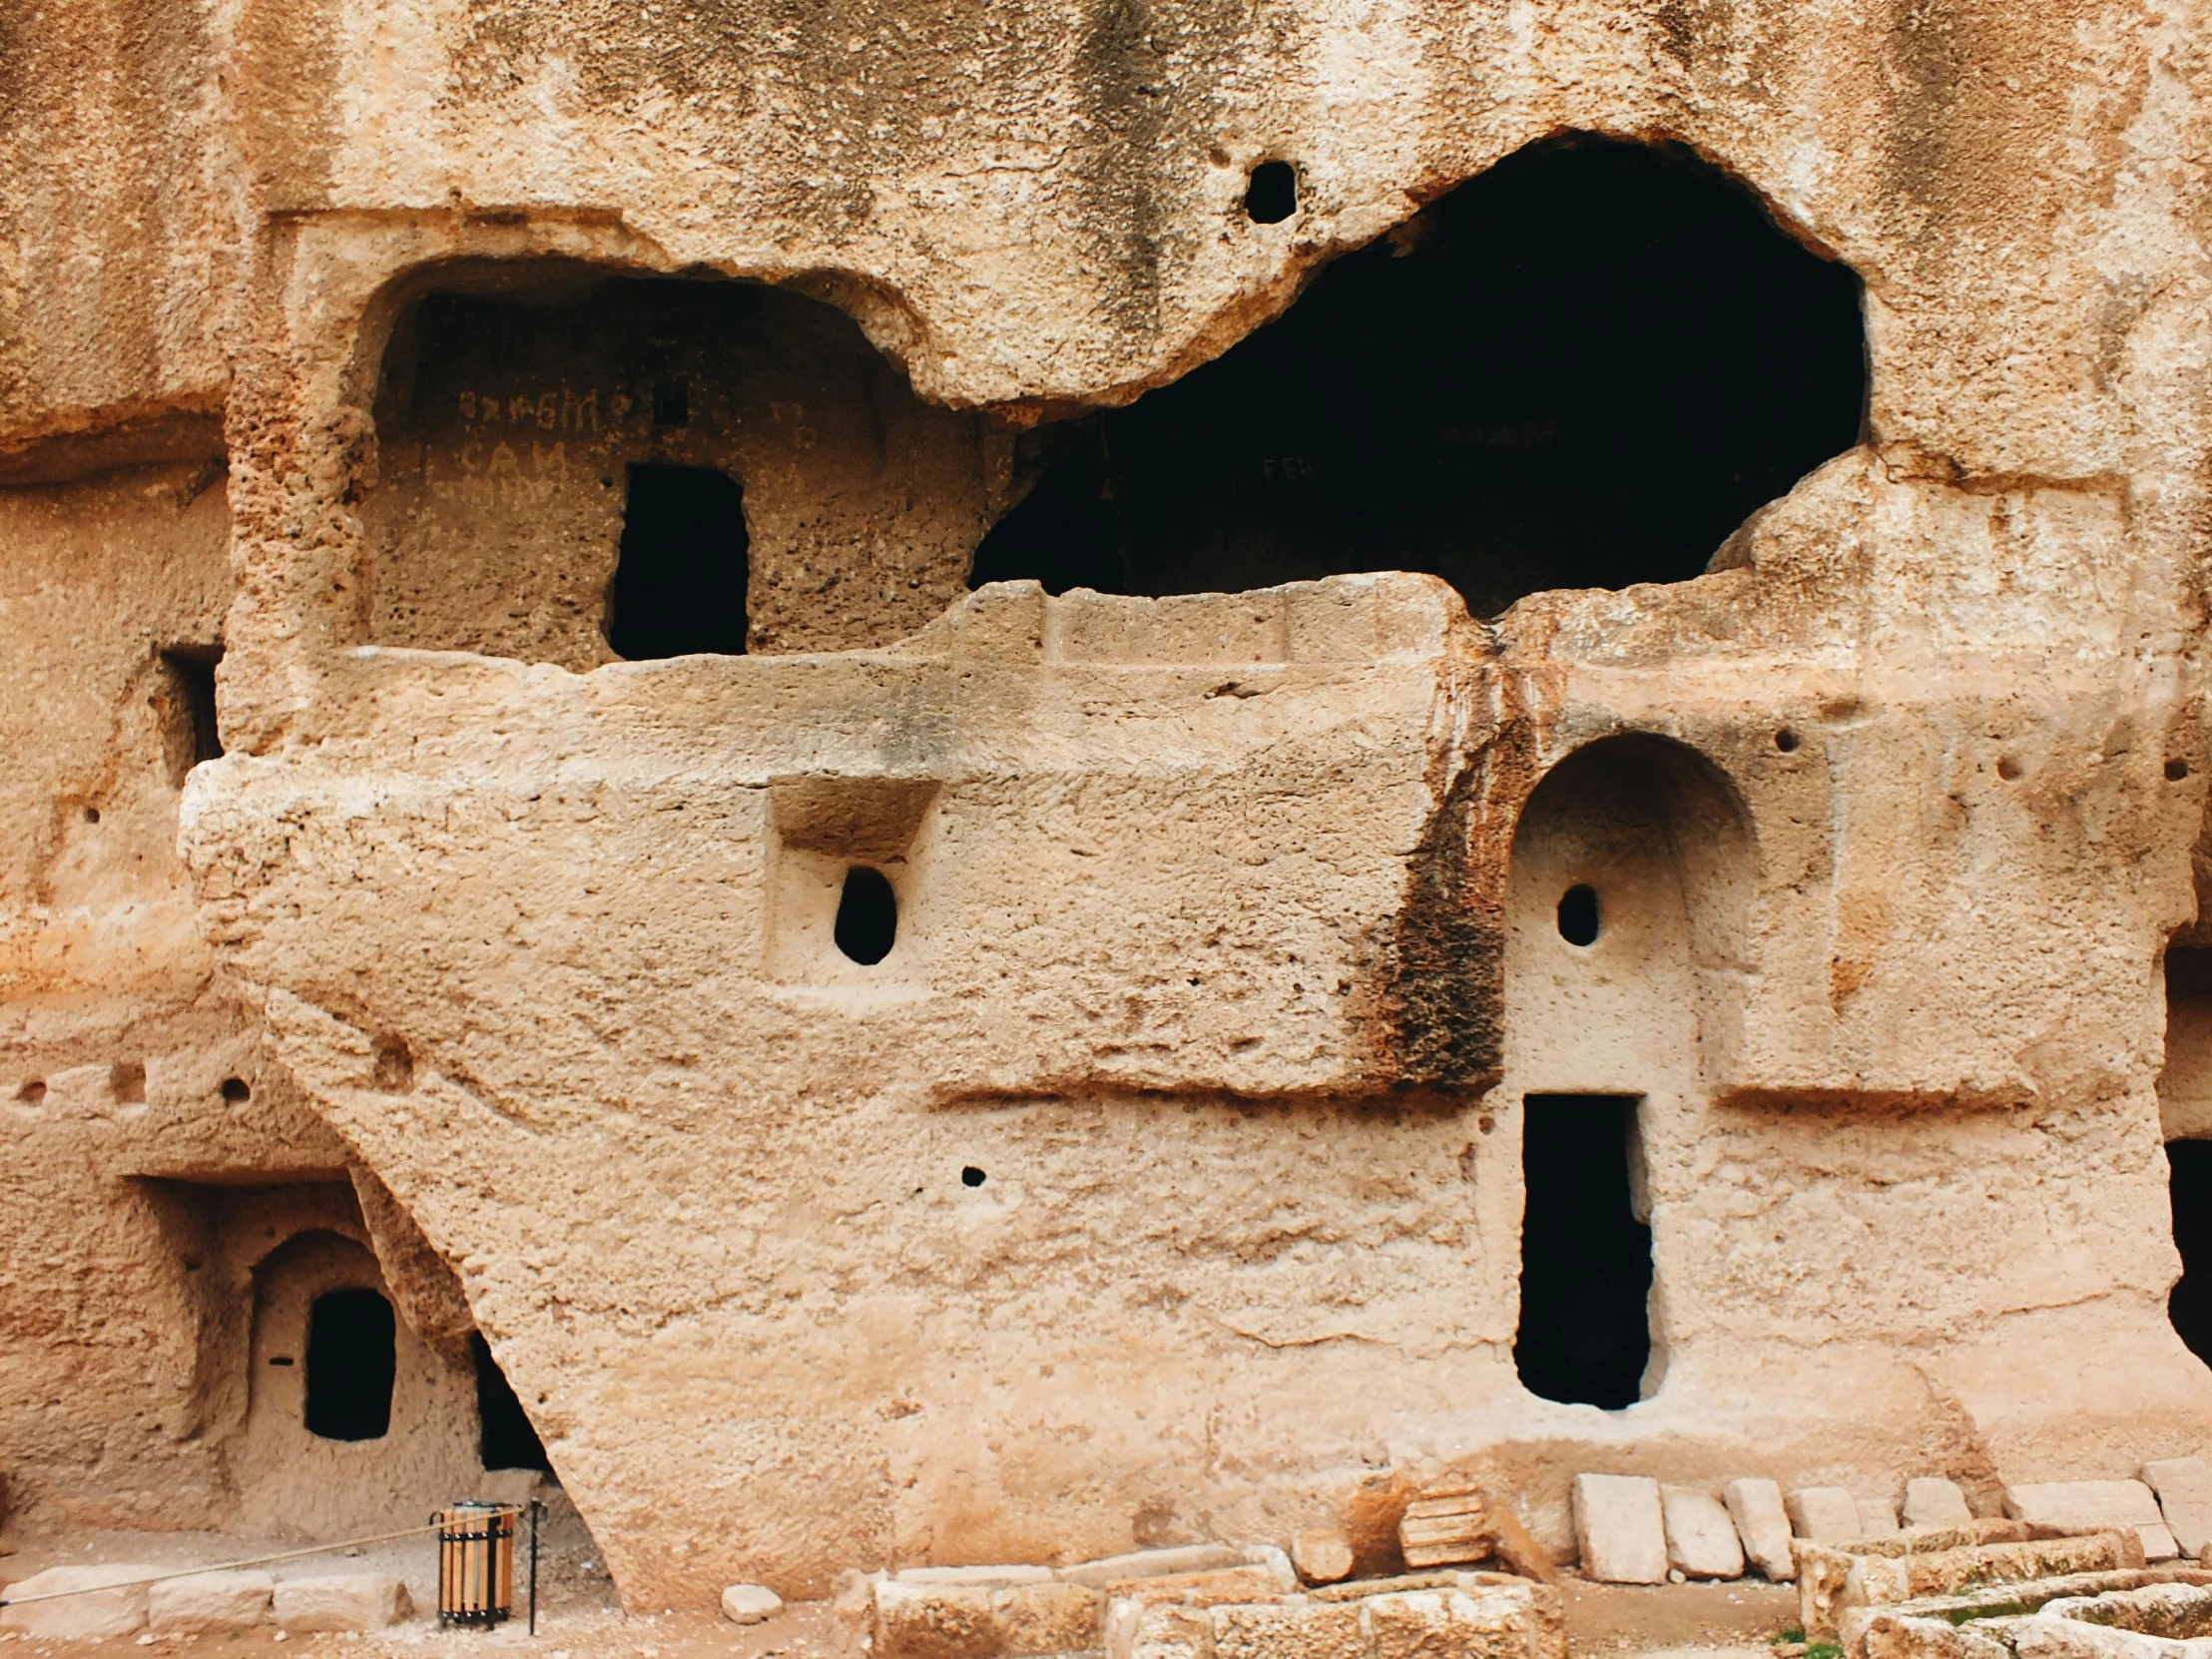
x=536 y=1508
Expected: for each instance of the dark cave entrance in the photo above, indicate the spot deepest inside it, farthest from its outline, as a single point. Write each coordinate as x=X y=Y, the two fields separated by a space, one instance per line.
x=1585 y=1330
x=506 y=1439
x=352 y=1364
x=1584 y=367
x=2189 y=1305
x=680 y=573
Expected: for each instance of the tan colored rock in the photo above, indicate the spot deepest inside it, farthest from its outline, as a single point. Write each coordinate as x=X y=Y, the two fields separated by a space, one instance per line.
x=1446 y=1527
x=1419 y=1616
x=1619 y=1530
x=1827 y=1514
x=1321 y=1554
x=1931 y=1501
x=1831 y=1580
x=1858 y=1627
x=2184 y=1489
x=70 y=1603
x=1701 y=1539
x=979 y=1620
x=1290 y=1629
x=209 y=1601
x=750 y=1603
x=2066 y=1506
x=502 y=979
x=1251 y=1582
x=1155 y=1563
x=1877 y=1517
x=1762 y=1526
x=358 y=1601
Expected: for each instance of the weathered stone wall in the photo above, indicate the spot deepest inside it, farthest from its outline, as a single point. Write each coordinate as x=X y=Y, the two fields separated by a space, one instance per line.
x=1223 y=947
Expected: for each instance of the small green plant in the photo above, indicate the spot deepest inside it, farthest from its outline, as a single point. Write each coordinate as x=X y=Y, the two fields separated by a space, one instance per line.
x=1790 y=1633
x=1825 y=1650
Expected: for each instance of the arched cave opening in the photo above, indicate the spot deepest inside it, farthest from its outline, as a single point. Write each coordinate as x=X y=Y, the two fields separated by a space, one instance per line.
x=1585 y=1333
x=1584 y=367
x=352 y=1361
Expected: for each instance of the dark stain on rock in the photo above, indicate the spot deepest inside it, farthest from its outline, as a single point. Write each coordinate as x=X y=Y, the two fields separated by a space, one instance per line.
x=1444 y=1013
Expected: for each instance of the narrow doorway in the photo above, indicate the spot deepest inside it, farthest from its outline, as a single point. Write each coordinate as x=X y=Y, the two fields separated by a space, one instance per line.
x=2190 y=1303
x=1585 y=1333
x=681 y=571
x=352 y=1361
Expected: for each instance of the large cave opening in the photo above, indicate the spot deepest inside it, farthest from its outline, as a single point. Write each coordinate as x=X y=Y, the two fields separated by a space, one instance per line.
x=1584 y=367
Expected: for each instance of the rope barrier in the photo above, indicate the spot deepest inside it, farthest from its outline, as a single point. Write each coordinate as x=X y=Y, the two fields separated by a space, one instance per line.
x=233 y=1566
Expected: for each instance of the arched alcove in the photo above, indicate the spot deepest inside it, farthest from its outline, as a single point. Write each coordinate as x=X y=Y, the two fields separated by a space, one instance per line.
x=1584 y=367
x=1633 y=863
x=576 y=464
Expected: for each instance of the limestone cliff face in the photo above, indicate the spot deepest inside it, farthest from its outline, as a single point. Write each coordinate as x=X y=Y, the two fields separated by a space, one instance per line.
x=1164 y=1175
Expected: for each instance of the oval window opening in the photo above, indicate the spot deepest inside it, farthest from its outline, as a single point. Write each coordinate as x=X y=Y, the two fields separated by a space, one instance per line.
x=867 y=917
x=1578 y=914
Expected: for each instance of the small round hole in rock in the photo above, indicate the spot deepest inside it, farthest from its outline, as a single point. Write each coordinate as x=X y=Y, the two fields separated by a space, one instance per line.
x=236 y=1089
x=92 y=814
x=971 y=1177
x=2007 y=767
x=1271 y=194
x=1786 y=741
x=867 y=917
x=1578 y=914
x=32 y=1092
x=2176 y=771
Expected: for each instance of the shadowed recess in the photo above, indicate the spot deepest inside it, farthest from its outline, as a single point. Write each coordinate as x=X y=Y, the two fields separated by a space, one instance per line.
x=867 y=917
x=1584 y=1335
x=1583 y=368
x=350 y=1365
x=2189 y=1305
x=506 y=1439
x=680 y=578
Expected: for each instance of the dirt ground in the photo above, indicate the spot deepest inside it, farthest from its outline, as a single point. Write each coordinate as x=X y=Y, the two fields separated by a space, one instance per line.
x=579 y=1617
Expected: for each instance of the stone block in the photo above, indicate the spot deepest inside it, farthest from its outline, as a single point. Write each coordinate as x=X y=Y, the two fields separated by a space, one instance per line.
x=985 y=1621
x=1763 y=1527
x=1482 y=1622
x=1293 y=1628
x=1152 y=1563
x=1444 y=1528
x=340 y=1601
x=1163 y=1630
x=2184 y=1489
x=209 y=1601
x=1877 y=1519
x=1929 y=1502
x=1252 y=1583
x=750 y=1603
x=1321 y=1555
x=975 y=1575
x=2078 y=1507
x=87 y=1611
x=1826 y=1514
x=1701 y=1539
x=1854 y=1624
x=1831 y=1580
x=1619 y=1528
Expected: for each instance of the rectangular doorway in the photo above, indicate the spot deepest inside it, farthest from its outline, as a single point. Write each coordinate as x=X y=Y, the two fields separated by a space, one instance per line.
x=1585 y=1286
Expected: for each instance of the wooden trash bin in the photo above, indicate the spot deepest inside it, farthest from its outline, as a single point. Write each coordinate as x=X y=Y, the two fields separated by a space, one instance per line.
x=477 y=1562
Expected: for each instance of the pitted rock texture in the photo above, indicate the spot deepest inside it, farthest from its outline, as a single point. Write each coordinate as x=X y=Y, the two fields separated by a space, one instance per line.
x=1162 y=1180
